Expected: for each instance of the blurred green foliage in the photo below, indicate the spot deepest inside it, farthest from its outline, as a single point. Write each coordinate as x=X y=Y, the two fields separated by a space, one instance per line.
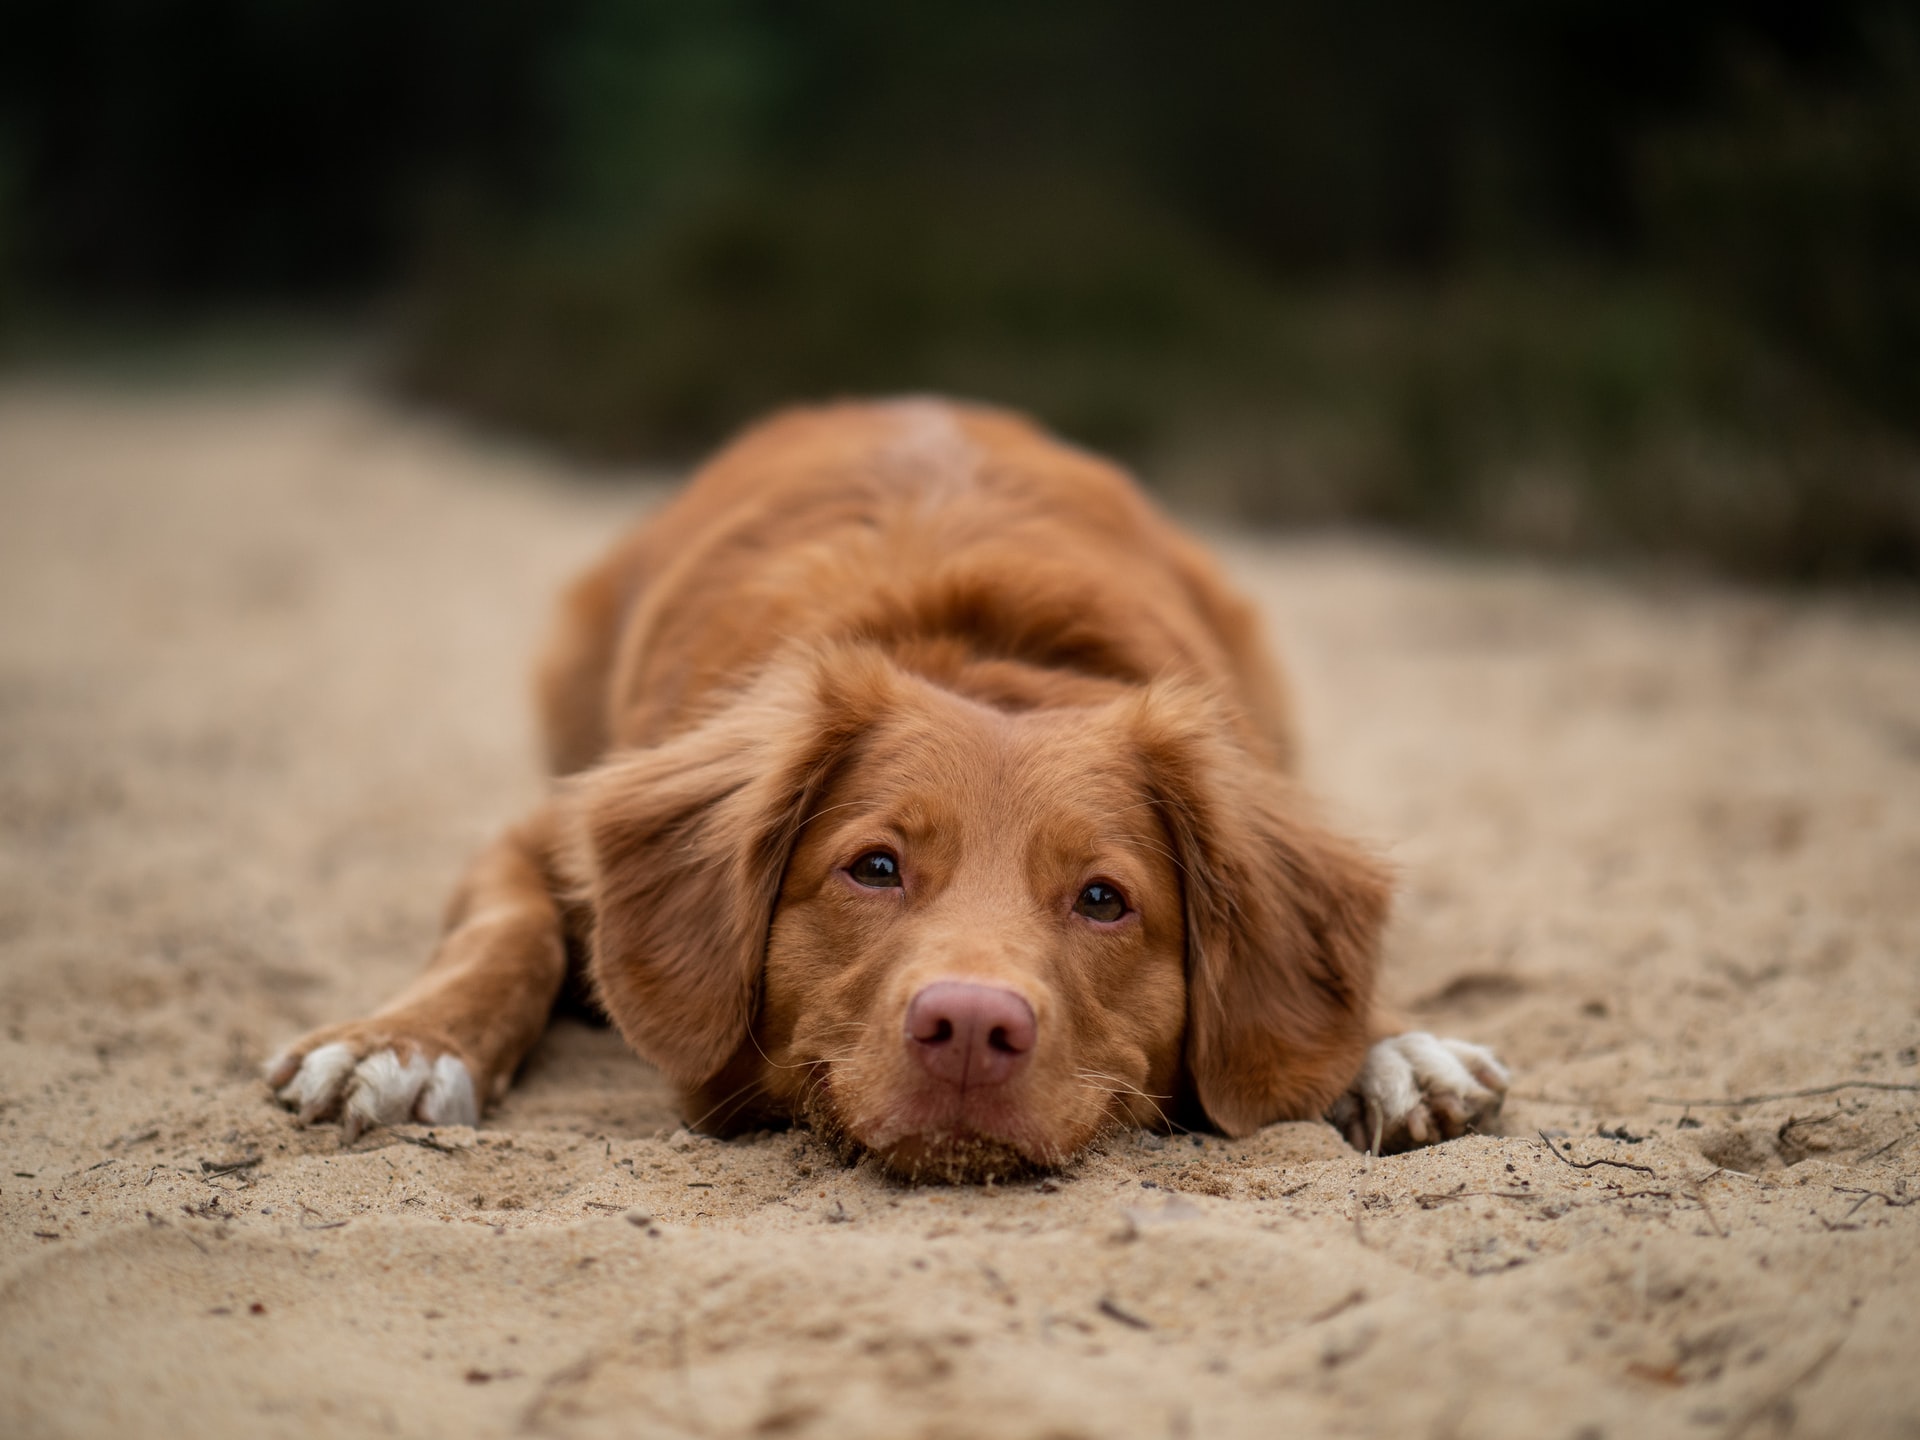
x=1800 y=206
x=1623 y=276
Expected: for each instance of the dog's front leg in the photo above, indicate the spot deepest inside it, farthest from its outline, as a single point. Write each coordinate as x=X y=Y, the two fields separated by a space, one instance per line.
x=450 y=1042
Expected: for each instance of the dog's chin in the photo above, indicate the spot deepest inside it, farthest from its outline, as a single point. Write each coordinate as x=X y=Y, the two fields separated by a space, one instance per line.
x=955 y=1158
x=937 y=1141
x=933 y=1156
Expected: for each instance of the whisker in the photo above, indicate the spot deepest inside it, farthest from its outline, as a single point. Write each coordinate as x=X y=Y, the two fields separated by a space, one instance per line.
x=1124 y=1088
x=1123 y=1084
x=1178 y=864
x=714 y=1109
x=828 y=810
x=858 y=1026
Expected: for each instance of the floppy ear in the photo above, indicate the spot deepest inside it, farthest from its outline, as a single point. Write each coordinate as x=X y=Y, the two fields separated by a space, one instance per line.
x=682 y=847
x=1283 y=923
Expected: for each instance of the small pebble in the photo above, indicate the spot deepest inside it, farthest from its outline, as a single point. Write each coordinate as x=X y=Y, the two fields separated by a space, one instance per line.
x=639 y=1217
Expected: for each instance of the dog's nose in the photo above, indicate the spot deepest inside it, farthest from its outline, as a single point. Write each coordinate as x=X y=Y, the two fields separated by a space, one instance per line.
x=967 y=1034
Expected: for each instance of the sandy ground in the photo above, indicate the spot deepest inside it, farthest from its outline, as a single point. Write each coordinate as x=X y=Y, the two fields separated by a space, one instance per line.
x=261 y=691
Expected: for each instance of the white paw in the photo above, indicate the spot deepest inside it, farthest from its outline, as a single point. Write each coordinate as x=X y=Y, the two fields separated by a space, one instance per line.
x=379 y=1089
x=1416 y=1089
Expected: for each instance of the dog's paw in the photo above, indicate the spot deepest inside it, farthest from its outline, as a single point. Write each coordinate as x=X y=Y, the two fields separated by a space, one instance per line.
x=370 y=1076
x=1416 y=1089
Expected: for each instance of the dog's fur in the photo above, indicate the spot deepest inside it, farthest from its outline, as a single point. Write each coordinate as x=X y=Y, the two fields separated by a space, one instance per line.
x=936 y=632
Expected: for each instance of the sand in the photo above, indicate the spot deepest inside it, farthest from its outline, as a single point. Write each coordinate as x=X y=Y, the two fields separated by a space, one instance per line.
x=262 y=662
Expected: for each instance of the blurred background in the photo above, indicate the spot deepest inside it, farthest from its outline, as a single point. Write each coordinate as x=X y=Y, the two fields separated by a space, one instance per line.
x=1621 y=279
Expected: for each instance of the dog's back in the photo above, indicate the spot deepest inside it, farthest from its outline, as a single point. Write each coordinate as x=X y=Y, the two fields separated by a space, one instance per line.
x=978 y=550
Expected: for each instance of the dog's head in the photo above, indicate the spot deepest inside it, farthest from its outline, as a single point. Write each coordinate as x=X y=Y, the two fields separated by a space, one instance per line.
x=965 y=937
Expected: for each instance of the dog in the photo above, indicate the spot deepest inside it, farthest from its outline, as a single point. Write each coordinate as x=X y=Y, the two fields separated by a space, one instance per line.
x=917 y=780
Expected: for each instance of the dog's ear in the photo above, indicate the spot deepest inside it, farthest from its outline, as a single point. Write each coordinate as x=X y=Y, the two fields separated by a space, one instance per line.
x=1283 y=922
x=680 y=849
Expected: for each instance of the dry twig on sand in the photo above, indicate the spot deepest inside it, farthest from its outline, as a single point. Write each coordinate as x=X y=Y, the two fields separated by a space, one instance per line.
x=1894 y=1143
x=429 y=1142
x=1866 y=1195
x=1590 y=1164
x=1733 y=1102
x=1431 y=1202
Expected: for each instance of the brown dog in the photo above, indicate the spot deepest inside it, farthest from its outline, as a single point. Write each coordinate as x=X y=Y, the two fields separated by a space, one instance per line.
x=922 y=782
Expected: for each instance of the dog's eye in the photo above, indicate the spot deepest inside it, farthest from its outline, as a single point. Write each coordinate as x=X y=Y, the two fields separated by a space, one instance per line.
x=877 y=870
x=1101 y=901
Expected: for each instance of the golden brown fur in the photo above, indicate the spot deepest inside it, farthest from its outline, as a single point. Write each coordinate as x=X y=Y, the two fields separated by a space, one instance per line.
x=936 y=632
